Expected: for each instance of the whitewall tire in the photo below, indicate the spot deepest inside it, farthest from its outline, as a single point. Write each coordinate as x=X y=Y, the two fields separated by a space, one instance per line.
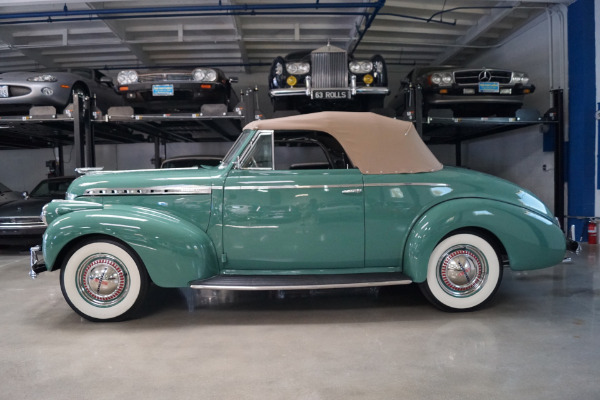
x=103 y=280
x=464 y=272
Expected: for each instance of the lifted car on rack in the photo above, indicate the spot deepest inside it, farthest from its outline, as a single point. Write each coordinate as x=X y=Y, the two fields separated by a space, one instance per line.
x=467 y=92
x=176 y=91
x=20 y=90
x=327 y=79
x=323 y=200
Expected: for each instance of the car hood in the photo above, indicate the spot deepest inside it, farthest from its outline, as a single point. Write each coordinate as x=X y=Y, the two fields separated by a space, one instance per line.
x=155 y=181
x=24 y=208
x=24 y=75
x=7 y=197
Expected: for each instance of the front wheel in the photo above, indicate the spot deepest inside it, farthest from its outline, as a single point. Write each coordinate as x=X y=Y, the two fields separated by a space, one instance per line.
x=103 y=280
x=463 y=273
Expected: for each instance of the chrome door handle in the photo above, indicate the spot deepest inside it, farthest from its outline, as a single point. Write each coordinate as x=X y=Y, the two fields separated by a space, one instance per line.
x=351 y=191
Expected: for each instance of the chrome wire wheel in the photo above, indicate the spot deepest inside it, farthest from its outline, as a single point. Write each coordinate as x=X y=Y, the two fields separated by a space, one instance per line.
x=463 y=272
x=103 y=280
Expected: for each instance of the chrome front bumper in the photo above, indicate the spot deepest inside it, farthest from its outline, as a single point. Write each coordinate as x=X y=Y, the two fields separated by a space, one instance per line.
x=36 y=262
x=353 y=89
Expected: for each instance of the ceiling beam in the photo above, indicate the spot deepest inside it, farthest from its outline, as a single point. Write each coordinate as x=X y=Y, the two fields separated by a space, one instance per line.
x=121 y=33
x=483 y=25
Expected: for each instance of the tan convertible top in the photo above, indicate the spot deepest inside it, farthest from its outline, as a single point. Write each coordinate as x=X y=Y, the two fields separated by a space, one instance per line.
x=375 y=144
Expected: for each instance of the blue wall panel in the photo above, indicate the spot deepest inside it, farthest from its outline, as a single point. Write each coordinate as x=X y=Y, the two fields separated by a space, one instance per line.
x=581 y=161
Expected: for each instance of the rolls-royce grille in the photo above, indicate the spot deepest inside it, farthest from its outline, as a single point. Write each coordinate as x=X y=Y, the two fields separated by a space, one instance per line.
x=329 y=69
x=481 y=75
x=164 y=77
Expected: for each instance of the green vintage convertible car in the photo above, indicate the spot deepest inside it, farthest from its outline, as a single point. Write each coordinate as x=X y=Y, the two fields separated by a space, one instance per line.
x=325 y=200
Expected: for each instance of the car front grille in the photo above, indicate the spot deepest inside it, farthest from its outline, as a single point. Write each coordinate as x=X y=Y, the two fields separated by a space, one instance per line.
x=329 y=68
x=481 y=75
x=164 y=77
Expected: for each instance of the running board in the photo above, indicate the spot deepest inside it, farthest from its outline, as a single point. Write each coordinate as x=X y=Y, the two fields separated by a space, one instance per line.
x=300 y=282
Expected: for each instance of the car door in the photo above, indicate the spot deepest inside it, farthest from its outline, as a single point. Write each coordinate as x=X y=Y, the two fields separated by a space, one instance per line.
x=301 y=216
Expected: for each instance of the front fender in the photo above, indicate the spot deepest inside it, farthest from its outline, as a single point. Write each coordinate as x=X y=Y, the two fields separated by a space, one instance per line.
x=174 y=251
x=531 y=240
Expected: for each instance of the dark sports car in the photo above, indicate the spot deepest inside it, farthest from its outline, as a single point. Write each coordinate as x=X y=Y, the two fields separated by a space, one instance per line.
x=327 y=79
x=21 y=221
x=468 y=92
x=177 y=91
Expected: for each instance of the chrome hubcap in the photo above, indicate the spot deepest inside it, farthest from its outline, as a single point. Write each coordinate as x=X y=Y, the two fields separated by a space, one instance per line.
x=102 y=280
x=462 y=270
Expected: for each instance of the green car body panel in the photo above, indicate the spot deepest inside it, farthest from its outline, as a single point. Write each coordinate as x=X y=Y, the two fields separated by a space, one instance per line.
x=192 y=224
x=180 y=237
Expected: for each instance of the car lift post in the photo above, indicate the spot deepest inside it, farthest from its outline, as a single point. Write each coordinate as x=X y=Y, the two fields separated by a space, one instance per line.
x=83 y=139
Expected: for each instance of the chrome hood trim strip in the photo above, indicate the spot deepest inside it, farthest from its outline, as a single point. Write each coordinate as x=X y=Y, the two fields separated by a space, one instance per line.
x=153 y=190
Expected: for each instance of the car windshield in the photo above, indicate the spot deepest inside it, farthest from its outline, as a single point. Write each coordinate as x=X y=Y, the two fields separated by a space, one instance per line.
x=236 y=147
x=51 y=188
x=191 y=162
x=4 y=189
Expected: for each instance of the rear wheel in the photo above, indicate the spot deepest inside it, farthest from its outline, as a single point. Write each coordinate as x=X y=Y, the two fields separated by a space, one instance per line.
x=103 y=280
x=463 y=273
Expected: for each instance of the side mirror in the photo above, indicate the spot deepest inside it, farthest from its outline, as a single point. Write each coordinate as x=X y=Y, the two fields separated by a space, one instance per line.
x=25 y=195
x=233 y=79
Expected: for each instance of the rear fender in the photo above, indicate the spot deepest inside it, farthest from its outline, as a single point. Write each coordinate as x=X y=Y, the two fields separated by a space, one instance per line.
x=531 y=240
x=174 y=251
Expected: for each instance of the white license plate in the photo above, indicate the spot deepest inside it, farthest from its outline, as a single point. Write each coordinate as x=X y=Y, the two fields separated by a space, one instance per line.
x=331 y=94
x=162 y=90
x=3 y=91
x=489 y=87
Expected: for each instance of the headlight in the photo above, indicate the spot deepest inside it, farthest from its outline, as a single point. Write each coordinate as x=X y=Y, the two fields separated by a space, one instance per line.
x=297 y=68
x=361 y=67
x=204 y=74
x=442 y=78
x=43 y=78
x=127 y=77
x=519 y=77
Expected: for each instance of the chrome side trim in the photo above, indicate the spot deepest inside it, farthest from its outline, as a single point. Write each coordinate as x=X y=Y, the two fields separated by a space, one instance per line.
x=407 y=184
x=153 y=190
x=270 y=187
x=353 y=186
x=304 y=287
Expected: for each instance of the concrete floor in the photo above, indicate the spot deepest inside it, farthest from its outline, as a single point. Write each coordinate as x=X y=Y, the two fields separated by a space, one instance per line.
x=539 y=339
